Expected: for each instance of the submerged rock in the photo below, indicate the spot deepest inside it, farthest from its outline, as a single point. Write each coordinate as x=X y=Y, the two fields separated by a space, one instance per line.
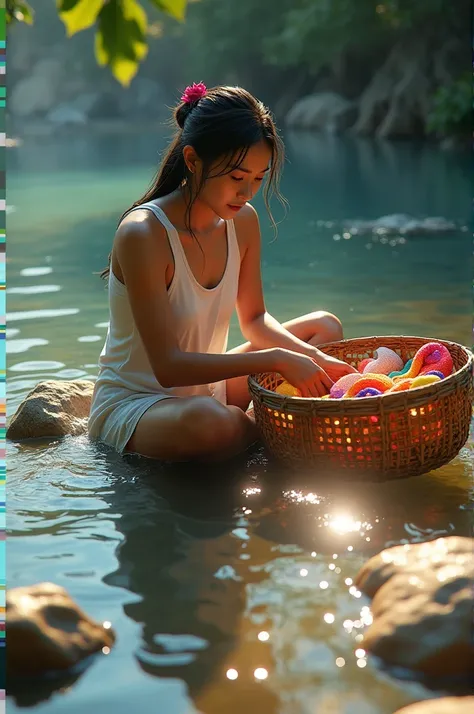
x=422 y=608
x=446 y=705
x=53 y=408
x=47 y=631
x=399 y=223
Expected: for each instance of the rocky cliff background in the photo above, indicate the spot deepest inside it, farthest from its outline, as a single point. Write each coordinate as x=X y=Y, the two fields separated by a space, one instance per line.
x=394 y=70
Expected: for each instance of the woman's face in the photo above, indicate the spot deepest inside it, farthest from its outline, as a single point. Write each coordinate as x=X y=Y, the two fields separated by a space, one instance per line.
x=225 y=195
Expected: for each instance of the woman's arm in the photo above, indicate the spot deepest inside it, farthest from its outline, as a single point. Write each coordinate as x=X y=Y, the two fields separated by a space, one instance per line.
x=257 y=325
x=141 y=250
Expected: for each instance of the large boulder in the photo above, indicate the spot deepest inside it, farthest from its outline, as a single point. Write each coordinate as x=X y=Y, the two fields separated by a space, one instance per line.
x=326 y=111
x=423 y=606
x=446 y=705
x=47 y=631
x=395 y=102
x=53 y=408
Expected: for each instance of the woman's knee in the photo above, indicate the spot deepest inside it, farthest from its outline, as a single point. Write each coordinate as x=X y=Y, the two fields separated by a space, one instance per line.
x=208 y=426
x=328 y=327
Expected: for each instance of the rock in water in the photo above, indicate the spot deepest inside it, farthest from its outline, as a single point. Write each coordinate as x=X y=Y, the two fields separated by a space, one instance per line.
x=446 y=705
x=423 y=606
x=47 y=631
x=401 y=224
x=53 y=408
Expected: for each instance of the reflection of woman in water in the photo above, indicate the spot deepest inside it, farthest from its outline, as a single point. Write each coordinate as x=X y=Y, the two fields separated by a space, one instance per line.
x=180 y=555
x=184 y=257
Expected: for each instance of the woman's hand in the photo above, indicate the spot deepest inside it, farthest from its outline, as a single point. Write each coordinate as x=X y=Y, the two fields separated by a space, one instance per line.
x=334 y=368
x=303 y=373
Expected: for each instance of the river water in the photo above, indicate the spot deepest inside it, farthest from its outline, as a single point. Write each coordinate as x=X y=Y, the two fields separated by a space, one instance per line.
x=230 y=587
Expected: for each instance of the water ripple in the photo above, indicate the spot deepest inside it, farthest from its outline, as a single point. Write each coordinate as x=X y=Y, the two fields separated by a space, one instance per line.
x=33 y=289
x=15 y=346
x=38 y=314
x=33 y=272
x=35 y=365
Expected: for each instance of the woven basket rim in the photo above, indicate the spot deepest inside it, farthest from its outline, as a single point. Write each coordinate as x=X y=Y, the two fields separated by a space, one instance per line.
x=429 y=389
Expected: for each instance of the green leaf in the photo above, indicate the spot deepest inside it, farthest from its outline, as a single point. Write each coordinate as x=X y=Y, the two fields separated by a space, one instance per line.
x=78 y=15
x=175 y=8
x=21 y=11
x=120 y=41
x=24 y=13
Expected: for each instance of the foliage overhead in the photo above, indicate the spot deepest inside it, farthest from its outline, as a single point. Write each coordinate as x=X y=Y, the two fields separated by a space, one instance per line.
x=311 y=34
x=120 y=27
x=19 y=10
x=120 y=41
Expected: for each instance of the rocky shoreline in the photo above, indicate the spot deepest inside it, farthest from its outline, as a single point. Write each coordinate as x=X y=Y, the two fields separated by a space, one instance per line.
x=53 y=92
x=397 y=100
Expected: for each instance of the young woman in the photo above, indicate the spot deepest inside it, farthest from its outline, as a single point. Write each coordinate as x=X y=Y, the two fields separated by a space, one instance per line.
x=184 y=257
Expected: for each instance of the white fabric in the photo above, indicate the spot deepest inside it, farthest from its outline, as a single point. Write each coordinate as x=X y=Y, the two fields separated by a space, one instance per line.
x=126 y=386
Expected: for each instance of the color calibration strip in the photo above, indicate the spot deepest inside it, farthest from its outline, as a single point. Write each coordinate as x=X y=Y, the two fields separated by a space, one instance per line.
x=2 y=352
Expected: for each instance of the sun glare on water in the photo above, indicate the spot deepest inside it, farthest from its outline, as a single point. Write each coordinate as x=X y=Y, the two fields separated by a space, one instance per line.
x=345 y=524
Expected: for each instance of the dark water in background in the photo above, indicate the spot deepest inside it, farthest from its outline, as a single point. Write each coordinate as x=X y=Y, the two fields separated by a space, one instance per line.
x=193 y=565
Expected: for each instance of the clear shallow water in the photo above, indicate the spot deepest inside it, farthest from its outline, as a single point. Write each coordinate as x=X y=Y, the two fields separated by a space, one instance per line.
x=191 y=565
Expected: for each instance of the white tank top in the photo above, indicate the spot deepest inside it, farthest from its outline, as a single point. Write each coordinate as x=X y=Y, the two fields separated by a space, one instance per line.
x=201 y=318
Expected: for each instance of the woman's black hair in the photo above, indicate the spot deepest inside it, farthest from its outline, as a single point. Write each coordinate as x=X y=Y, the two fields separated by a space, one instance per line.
x=221 y=127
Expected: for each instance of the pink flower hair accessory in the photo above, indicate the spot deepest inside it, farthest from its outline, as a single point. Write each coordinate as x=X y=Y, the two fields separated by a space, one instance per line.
x=194 y=92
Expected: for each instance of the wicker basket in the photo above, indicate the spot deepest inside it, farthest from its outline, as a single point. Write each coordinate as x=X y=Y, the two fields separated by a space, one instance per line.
x=393 y=436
